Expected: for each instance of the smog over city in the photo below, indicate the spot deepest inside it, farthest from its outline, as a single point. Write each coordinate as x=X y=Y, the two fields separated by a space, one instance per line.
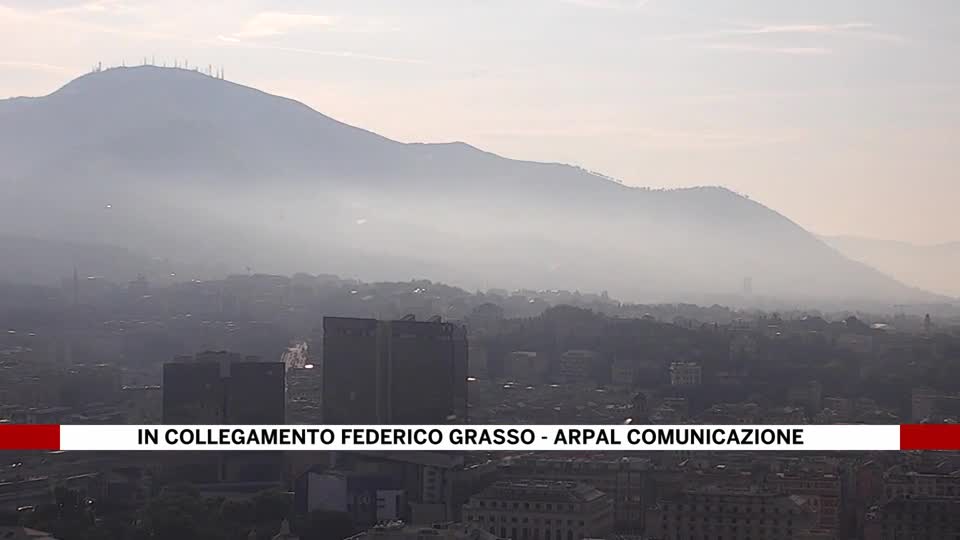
x=275 y=228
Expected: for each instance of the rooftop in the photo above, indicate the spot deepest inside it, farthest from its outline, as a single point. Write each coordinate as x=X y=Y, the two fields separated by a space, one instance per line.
x=544 y=490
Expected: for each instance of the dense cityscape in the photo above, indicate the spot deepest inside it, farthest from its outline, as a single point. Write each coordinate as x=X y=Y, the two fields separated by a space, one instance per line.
x=267 y=349
x=479 y=270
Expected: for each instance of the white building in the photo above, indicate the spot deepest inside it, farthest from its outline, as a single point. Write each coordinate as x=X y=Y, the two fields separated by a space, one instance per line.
x=576 y=366
x=685 y=374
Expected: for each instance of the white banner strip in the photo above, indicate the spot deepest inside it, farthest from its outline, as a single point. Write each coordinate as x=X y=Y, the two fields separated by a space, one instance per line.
x=473 y=438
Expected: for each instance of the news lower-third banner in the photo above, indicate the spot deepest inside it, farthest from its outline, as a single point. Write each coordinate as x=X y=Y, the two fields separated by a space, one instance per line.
x=480 y=438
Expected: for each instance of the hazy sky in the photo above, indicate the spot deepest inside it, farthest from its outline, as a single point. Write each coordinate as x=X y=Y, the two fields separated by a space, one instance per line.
x=841 y=114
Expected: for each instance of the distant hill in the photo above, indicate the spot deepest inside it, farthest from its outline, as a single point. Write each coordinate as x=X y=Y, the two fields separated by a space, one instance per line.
x=42 y=261
x=181 y=165
x=933 y=268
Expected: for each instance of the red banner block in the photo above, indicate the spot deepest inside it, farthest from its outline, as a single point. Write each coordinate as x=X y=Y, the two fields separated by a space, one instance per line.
x=930 y=437
x=29 y=437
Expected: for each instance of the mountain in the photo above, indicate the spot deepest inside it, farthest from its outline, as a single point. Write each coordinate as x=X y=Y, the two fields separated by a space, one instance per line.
x=934 y=267
x=43 y=261
x=181 y=165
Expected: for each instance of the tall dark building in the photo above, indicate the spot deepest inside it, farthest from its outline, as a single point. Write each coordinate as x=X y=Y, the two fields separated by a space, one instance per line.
x=224 y=388
x=256 y=393
x=353 y=389
x=192 y=392
x=460 y=369
x=394 y=372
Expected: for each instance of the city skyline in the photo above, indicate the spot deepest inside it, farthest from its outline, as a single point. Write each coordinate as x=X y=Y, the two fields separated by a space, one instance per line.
x=812 y=109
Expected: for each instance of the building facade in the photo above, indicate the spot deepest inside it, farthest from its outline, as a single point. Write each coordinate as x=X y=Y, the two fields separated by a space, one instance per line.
x=685 y=374
x=398 y=530
x=224 y=388
x=911 y=518
x=730 y=514
x=576 y=366
x=624 y=479
x=541 y=510
x=393 y=372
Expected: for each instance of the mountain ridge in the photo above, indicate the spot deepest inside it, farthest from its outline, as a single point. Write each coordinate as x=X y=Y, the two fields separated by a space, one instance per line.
x=151 y=156
x=929 y=266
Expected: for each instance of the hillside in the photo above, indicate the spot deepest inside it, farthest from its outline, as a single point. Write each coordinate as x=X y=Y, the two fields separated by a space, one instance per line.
x=42 y=261
x=933 y=268
x=177 y=164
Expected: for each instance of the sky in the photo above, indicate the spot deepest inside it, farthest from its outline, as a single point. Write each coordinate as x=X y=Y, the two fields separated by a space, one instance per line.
x=843 y=115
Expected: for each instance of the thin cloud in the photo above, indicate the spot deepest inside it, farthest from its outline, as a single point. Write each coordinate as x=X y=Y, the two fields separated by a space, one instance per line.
x=274 y=23
x=745 y=47
x=656 y=138
x=351 y=54
x=228 y=41
x=66 y=7
x=802 y=28
x=66 y=18
x=262 y=26
x=856 y=29
x=845 y=91
x=94 y=6
x=9 y=13
x=608 y=4
x=34 y=66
